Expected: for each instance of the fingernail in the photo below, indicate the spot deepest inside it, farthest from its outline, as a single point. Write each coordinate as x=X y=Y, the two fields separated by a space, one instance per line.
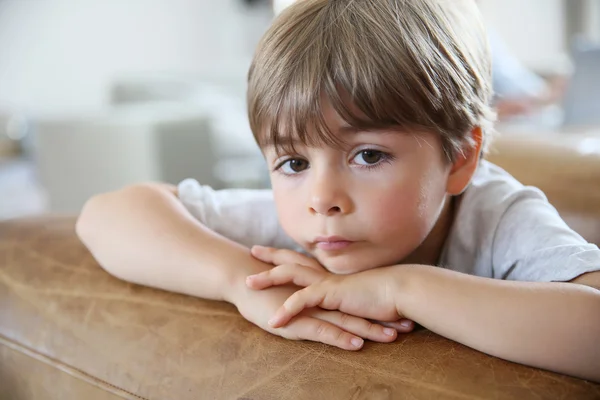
x=356 y=342
x=389 y=331
x=406 y=323
x=272 y=321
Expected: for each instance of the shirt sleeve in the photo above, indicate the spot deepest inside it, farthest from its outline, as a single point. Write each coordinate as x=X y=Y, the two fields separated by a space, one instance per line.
x=248 y=217
x=533 y=243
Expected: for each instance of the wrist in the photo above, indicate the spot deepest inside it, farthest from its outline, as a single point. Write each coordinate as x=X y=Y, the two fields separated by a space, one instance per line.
x=408 y=281
x=235 y=289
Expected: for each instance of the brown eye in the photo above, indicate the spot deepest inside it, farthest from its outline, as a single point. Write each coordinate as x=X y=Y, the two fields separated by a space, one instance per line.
x=293 y=166
x=369 y=157
x=298 y=165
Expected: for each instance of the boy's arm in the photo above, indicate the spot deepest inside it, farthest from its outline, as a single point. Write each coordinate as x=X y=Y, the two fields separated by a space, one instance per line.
x=555 y=326
x=143 y=234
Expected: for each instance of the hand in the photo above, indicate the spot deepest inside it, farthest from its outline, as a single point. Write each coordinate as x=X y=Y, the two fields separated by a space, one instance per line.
x=369 y=294
x=330 y=327
x=278 y=257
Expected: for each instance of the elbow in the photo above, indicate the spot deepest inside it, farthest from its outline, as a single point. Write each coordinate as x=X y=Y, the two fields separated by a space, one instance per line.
x=108 y=220
x=99 y=218
x=102 y=210
x=95 y=227
x=88 y=217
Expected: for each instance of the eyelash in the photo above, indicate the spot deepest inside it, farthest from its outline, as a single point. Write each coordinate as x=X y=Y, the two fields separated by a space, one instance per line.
x=386 y=158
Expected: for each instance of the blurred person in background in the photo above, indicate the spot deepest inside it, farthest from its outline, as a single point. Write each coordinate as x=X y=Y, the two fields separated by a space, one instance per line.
x=518 y=90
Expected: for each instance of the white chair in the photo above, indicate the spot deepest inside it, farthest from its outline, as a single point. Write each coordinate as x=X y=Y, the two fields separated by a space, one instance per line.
x=78 y=157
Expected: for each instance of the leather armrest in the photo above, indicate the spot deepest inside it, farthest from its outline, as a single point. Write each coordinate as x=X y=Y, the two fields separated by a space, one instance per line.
x=70 y=330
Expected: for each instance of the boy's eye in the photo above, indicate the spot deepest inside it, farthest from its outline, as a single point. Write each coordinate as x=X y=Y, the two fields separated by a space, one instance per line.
x=368 y=157
x=293 y=166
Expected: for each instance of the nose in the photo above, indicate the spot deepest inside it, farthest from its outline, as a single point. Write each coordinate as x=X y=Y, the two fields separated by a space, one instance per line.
x=329 y=195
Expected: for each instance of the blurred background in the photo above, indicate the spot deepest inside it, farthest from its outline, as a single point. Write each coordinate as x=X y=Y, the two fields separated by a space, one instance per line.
x=96 y=95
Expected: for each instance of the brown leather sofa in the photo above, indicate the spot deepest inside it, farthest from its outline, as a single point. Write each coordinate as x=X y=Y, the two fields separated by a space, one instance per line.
x=68 y=330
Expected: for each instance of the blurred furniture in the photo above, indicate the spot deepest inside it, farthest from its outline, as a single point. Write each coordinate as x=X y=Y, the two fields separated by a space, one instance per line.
x=83 y=155
x=154 y=129
x=238 y=160
x=68 y=330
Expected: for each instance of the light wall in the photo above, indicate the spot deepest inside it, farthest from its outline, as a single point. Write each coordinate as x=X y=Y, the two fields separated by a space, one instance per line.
x=533 y=29
x=63 y=54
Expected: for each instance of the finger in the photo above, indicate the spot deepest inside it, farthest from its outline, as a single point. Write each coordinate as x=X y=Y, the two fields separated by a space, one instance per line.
x=358 y=326
x=288 y=273
x=308 y=297
x=275 y=256
x=402 y=325
x=263 y=253
x=317 y=330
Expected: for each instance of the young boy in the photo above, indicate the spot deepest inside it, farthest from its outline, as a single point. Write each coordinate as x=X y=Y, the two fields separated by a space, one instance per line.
x=372 y=116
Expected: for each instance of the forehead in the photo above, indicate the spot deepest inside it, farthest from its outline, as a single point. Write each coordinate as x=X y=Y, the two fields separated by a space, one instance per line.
x=324 y=126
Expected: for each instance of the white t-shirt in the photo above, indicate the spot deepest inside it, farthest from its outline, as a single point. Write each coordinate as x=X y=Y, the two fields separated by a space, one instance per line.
x=502 y=229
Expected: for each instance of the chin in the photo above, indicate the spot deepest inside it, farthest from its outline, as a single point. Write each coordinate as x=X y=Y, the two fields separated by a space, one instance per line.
x=351 y=262
x=345 y=264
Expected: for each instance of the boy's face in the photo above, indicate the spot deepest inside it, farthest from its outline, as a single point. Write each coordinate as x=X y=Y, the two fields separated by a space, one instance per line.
x=374 y=203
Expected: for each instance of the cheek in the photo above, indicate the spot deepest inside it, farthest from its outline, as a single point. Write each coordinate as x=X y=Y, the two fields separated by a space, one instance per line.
x=407 y=210
x=397 y=209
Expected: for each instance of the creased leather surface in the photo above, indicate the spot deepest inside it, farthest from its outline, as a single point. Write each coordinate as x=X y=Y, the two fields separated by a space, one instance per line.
x=56 y=301
x=23 y=377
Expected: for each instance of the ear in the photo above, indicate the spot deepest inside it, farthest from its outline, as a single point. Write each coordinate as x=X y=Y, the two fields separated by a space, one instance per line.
x=465 y=165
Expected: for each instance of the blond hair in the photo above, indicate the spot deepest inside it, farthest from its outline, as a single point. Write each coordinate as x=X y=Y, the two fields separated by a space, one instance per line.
x=413 y=65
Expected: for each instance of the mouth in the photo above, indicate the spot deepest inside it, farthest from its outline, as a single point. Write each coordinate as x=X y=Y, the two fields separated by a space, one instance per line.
x=332 y=243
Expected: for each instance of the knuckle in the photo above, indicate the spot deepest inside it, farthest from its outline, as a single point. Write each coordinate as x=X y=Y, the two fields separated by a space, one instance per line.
x=321 y=329
x=339 y=336
x=370 y=326
x=345 y=320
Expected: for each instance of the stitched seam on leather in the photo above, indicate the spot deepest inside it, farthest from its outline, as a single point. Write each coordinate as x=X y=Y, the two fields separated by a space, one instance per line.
x=68 y=369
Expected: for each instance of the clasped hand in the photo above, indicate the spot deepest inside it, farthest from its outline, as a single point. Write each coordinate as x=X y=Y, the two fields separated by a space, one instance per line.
x=338 y=310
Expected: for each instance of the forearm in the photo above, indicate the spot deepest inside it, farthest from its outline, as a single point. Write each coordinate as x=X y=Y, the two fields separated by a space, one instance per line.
x=143 y=234
x=555 y=326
